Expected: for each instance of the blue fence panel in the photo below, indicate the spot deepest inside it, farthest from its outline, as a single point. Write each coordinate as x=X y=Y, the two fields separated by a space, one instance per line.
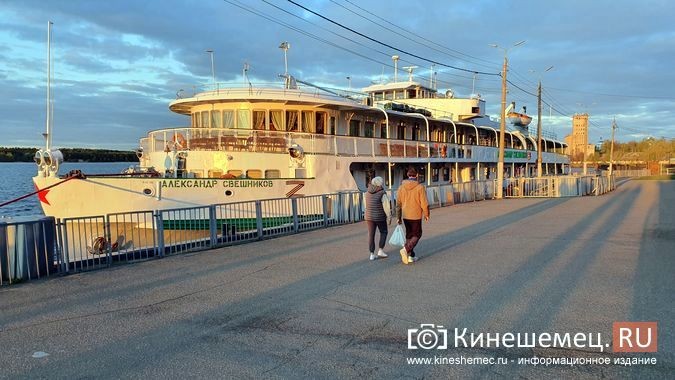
x=310 y=212
x=276 y=217
x=236 y=223
x=27 y=249
x=185 y=229
x=132 y=236
x=85 y=243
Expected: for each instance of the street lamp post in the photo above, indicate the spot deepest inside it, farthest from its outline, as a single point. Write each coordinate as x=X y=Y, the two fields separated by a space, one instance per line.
x=611 y=150
x=502 y=123
x=213 y=71
x=285 y=46
x=539 y=153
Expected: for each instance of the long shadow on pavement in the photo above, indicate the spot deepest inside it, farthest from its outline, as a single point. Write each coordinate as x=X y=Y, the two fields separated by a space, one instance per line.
x=274 y=307
x=654 y=283
x=541 y=309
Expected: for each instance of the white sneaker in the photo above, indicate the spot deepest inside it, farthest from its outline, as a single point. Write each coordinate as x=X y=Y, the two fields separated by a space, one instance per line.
x=372 y=256
x=412 y=259
x=381 y=254
x=404 y=255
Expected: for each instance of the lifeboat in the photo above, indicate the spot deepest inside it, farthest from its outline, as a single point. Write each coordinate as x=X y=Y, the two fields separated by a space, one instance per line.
x=519 y=119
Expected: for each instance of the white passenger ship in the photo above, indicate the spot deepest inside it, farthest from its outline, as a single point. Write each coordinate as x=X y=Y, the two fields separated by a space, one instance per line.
x=294 y=139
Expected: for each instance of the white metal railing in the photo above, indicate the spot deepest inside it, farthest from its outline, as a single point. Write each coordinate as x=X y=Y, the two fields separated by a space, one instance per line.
x=88 y=243
x=632 y=173
x=272 y=89
x=554 y=187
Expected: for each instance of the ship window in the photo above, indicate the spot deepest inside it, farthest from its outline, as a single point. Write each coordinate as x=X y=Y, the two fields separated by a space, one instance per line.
x=254 y=173
x=228 y=119
x=378 y=96
x=369 y=129
x=436 y=134
x=234 y=173
x=308 y=122
x=399 y=94
x=388 y=96
x=277 y=120
x=292 y=121
x=412 y=94
x=400 y=131
x=195 y=120
x=259 y=120
x=321 y=122
x=446 y=174
x=475 y=109
x=215 y=173
x=216 y=121
x=272 y=173
x=416 y=132
x=332 y=125
x=243 y=119
x=434 y=175
x=422 y=134
x=354 y=127
x=383 y=130
x=205 y=119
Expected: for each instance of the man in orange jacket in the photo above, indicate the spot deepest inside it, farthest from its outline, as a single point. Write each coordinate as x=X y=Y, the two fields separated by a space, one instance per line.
x=411 y=206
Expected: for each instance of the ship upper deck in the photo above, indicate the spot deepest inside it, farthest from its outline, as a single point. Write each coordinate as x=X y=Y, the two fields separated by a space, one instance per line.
x=270 y=92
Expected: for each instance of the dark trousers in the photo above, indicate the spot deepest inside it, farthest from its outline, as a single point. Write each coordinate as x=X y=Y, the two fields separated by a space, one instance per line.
x=413 y=234
x=382 y=226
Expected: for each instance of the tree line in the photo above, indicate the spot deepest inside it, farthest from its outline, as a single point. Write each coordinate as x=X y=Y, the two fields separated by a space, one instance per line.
x=15 y=154
x=649 y=149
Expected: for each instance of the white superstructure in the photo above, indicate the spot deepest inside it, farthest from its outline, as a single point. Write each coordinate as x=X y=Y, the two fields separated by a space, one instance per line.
x=288 y=140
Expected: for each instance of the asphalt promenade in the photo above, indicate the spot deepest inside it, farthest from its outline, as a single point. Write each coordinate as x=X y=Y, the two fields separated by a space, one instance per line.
x=313 y=306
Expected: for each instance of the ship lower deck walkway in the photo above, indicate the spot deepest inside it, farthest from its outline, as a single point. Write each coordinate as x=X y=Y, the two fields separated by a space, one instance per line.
x=313 y=306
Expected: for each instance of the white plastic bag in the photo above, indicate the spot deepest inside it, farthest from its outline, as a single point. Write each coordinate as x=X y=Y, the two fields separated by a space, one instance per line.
x=397 y=237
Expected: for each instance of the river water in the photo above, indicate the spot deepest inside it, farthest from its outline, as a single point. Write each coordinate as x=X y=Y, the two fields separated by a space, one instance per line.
x=16 y=180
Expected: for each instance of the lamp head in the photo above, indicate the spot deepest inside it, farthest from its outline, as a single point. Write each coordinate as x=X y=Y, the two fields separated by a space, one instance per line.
x=39 y=158
x=296 y=152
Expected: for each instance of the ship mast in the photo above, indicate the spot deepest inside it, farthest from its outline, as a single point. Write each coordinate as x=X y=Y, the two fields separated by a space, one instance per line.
x=48 y=134
x=48 y=160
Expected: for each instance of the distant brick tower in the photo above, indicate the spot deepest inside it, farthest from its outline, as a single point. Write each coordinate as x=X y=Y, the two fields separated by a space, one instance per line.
x=578 y=140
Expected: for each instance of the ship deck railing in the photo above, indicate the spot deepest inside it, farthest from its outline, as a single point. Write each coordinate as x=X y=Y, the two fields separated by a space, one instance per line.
x=264 y=141
x=274 y=89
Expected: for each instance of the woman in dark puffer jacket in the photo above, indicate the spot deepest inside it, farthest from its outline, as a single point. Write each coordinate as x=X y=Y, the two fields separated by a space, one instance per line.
x=378 y=215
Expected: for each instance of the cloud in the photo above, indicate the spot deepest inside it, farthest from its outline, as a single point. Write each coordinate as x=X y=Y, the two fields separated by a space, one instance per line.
x=118 y=64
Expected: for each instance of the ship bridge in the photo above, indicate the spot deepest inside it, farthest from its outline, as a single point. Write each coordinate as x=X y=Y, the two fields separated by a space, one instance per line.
x=418 y=96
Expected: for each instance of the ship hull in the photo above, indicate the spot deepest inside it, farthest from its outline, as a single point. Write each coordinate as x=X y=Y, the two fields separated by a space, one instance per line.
x=108 y=195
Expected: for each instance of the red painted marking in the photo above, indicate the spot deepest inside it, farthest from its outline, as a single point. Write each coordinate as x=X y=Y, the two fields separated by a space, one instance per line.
x=298 y=185
x=42 y=195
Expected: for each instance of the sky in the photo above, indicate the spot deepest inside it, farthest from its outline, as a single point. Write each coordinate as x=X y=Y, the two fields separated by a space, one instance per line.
x=117 y=64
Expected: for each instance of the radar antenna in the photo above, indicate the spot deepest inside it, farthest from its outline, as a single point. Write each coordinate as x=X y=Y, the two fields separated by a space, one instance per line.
x=410 y=69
